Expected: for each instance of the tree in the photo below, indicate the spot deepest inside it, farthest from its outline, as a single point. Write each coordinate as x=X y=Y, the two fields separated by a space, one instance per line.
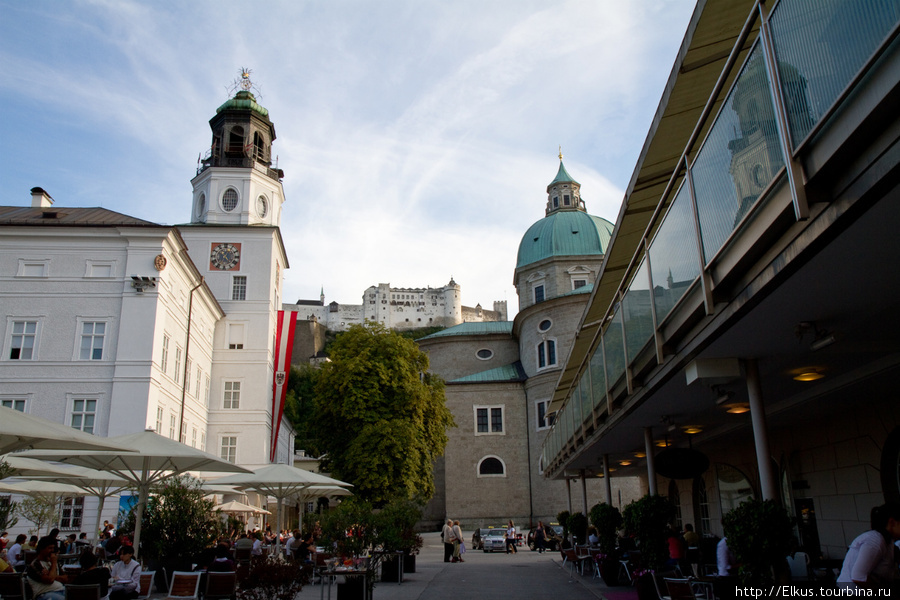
x=8 y=508
x=381 y=417
x=299 y=407
x=759 y=535
x=39 y=510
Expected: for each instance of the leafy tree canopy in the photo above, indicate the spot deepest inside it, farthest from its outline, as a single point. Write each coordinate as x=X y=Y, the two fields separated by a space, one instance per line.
x=299 y=407
x=381 y=417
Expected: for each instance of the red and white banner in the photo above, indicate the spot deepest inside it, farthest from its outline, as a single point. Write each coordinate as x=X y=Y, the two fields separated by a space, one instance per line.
x=284 y=345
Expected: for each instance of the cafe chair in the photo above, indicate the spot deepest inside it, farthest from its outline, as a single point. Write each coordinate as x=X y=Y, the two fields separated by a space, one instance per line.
x=220 y=586
x=89 y=591
x=12 y=586
x=146 y=588
x=185 y=585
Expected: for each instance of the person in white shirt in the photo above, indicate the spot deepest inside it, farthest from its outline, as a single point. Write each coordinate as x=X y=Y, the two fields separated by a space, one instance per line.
x=725 y=559
x=869 y=562
x=126 y=575
x=511 y=538
x=16 y=554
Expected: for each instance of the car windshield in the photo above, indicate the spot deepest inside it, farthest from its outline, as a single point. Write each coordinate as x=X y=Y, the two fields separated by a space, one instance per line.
x=496 y=532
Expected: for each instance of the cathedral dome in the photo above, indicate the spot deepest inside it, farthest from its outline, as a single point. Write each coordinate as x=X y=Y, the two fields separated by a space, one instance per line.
x=564 y=233
x=244 y=100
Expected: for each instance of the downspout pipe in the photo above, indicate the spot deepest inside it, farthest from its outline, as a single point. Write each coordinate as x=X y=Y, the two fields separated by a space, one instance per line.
x=187 y=349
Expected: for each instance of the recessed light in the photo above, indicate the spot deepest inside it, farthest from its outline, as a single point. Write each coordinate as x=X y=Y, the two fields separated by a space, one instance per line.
x=640 y=455
x=662 y=443
x=737 y=409
x=808 y=375
x=624 y=463
x=692 y=429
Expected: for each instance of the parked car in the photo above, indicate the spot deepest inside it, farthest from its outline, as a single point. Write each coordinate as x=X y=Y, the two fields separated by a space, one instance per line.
x=552 y=537
x=478 y=538
x=494 y=540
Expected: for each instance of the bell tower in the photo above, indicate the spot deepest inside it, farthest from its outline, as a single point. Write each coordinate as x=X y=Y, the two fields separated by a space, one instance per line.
x=236 y=183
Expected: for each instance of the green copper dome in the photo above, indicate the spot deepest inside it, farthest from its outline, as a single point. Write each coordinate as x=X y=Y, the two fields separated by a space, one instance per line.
x=564 y=233
x=244 y=100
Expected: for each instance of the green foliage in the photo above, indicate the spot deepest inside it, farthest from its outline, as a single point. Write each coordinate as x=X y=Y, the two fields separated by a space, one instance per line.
x=270 y=578
x=607 y=520
x=759 y=536
x=40 y=510
x=8 y=509
x=350 y=528
x=6 y=470
x=420 y=332
x=648 y=519
x=395 y=526
x=563 y=519
x=578 y=524
x=179 y=522
x=381 y=418
x=299 y=407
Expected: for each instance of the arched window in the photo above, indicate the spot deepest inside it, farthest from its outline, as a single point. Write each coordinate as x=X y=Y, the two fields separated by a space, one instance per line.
x=259 y=147
x=734 y=488
x=491 y=466
x=201 y=205
x=236 y=141
x=546 y=354
x=229 y=199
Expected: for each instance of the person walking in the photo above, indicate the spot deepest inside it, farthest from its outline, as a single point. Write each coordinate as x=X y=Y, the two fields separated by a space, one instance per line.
x=457 y=540
x=539 y=537
x=447 y=538
x=511 y=538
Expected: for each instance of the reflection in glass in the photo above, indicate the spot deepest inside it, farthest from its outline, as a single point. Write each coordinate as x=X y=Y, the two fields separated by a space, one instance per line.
x=673 y=255
x=584 y=395
x=614 y=348
x=636 y=312
x=598 y=379
x=739 y=158
x=734 y=488
x=820 y=45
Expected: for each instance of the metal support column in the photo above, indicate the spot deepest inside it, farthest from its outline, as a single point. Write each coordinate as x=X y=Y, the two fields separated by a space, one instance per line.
x=651 y=468
x=569 y=494
x=606 y=480
x=767 y=482
x=584 y=494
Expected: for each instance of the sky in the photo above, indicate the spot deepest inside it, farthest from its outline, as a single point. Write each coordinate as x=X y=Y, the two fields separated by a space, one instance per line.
x=417 y=137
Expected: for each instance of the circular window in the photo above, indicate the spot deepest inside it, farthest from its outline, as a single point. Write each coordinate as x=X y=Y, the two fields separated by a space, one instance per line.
x=201 y=205
x=484 y=354
x=262 y=207
x=545 y=325
x=229 y=199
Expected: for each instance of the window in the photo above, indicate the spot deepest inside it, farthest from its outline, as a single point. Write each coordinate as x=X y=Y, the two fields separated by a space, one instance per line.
x=491 y=466
x=159 y=419
x=235 y=336
x=578 y=283
x=544 y=420
x=538 y=293
x=24 y=335
x=92 y=336
x=72 y=509
x=229 y=199
x=177 y=364
x=546 y=351
x=206 y=391
x=555 y=201
x=183 y=437
x=83 y=412
x=203 y=441
x=484 y=354
x=239 y=287
x=201 y=205
x=566 y=199
x=194 y=437
x=229 y=448
x=199 y=382
x=232 y=394
x=171 y=427
x=13 y=403
x=187 y=376
x=488 y=419
x=164 y=361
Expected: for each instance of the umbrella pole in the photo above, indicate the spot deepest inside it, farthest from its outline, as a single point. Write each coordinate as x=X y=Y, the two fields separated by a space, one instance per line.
x=95 y=538
x=144 y=493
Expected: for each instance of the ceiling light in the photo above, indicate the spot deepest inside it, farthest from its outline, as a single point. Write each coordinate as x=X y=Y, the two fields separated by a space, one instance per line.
x=662 y=443
x=624 y=463
x=808 y=375
x=692 y=429
x=738 y=409
x=640 y=455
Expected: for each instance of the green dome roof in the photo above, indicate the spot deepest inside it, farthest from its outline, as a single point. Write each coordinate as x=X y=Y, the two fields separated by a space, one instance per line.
x=244 y=100
x=564 y=233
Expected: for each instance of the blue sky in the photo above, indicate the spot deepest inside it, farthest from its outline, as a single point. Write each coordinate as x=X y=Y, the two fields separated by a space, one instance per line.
x=417 y=137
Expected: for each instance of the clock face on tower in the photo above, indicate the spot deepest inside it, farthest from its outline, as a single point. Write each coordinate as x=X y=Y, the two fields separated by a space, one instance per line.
x=225 y=256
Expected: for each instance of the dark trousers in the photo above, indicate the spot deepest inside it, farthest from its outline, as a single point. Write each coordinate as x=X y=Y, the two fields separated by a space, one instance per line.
x=448 y=551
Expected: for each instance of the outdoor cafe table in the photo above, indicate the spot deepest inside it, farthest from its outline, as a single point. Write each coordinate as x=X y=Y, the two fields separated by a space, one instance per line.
x=347 y=572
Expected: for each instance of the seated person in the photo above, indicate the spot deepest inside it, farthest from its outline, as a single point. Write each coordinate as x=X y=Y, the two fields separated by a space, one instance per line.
x=222 y=563
x=304 y=548
x=16 y=554
x=112 y=545
x=43 y=573
x=593 y=538
x=257 y=545
x=82 y=541
x=5 y=567
x=91 y=573
x=126 y=575
x=69 y=547
x=243 y=542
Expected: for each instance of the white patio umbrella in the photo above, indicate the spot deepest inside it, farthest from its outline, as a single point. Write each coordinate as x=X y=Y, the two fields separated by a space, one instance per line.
x=233 y=506
x=94 y=482
x=19 y=430
x=36 y=488
x=143 y=459
x=280 y=481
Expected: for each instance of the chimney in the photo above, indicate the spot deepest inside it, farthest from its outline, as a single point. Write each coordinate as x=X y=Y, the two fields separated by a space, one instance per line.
x=40 y=198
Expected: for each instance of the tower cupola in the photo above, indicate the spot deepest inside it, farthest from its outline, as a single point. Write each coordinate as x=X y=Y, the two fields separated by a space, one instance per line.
x=563 y=193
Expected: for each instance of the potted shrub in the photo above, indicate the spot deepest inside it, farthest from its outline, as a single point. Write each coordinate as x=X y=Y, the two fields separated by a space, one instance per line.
x=606 y=520
x=271 y=578
x=759 y=535
x=395 y=532
x=578 y=524
x=648 y=520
